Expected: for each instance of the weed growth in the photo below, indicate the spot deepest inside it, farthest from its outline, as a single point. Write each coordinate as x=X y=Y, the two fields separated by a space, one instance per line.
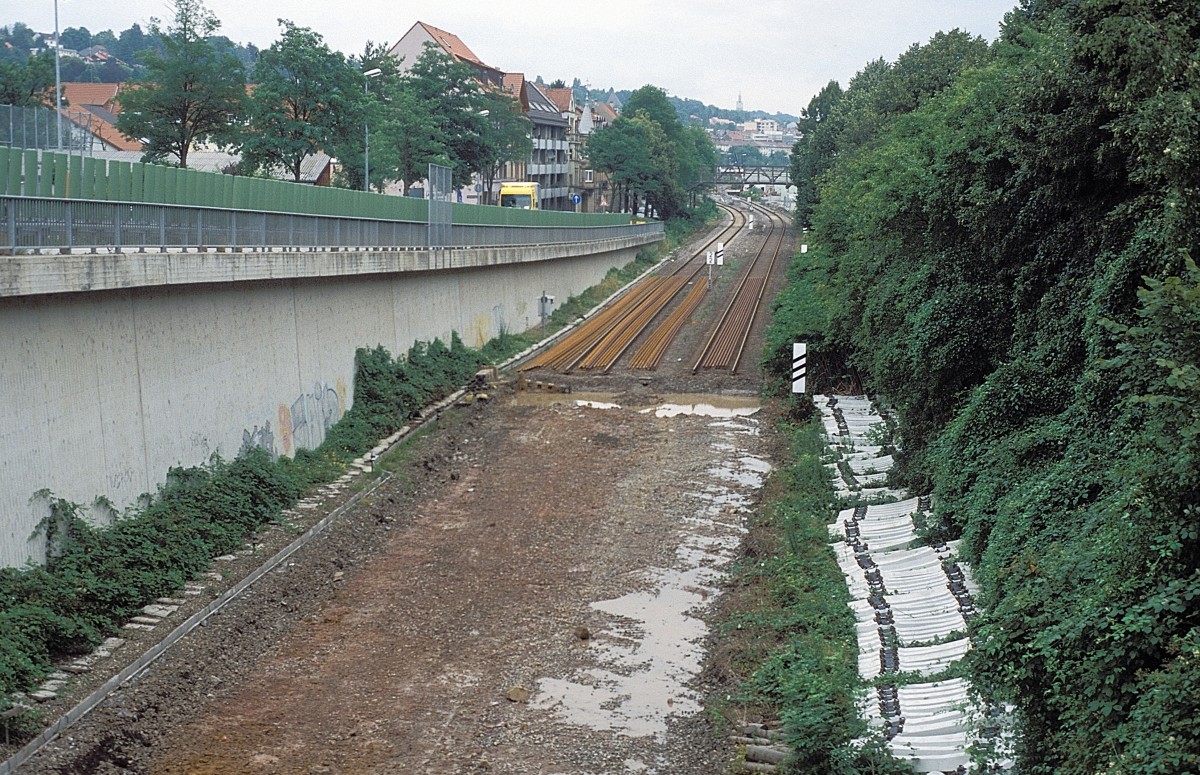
x=798 y=646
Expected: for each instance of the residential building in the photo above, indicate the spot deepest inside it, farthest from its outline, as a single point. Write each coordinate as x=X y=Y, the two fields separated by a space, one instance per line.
x=93 y=108
x=564 y=100
x=762 y=126
x=548 y=161
x=412 y=44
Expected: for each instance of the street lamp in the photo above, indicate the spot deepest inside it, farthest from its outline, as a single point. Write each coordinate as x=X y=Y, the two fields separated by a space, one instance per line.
x=57 y=79
x=374 y=72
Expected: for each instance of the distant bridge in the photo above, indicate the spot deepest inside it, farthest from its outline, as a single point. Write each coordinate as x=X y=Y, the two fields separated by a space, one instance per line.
x=745 y=175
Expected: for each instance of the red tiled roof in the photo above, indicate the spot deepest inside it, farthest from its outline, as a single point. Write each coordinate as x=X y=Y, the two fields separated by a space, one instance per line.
x=561 y=98
x=453 y=45
x=604 y=111
x=514 y=86
x=81 y=97
x=78 y=94
x=513 y=83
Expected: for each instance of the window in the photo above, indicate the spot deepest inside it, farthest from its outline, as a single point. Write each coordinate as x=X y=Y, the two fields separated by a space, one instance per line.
x=587 y=176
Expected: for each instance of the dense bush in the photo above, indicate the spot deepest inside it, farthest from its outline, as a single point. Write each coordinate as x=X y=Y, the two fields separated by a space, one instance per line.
x=1004 y=248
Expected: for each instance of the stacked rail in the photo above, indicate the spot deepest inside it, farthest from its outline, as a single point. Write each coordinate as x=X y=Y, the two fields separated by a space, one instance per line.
x=650 y=354
x=599 y=343
x=912 y=603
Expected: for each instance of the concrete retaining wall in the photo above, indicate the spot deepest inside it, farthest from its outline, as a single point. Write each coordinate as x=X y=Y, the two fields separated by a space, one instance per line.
x=104 y=390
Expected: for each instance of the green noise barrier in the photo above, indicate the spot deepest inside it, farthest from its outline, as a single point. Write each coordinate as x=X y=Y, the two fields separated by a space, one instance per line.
x=48 y=174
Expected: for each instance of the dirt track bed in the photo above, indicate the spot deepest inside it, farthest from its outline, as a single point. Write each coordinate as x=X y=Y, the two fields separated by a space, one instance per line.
x=392 y=643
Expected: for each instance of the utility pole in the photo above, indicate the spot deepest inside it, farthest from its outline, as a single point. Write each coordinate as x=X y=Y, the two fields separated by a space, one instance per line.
x=57 y=78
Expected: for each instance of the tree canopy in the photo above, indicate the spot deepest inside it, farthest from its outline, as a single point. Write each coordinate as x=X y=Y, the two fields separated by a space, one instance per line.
x=449 y=94
x=29 y=84
x=193 y=93
x=307 y=98
x=653 y=160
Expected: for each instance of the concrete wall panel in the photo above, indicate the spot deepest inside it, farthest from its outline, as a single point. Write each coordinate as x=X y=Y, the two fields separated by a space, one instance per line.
x=103 y=391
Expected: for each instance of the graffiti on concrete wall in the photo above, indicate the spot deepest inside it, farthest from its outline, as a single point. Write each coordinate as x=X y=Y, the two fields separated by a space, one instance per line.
x=304 y=423
x=501 y=325
x=259 y=437
x=484 y=329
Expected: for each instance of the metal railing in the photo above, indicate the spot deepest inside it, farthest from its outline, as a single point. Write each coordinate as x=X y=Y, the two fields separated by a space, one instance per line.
x=35 y=224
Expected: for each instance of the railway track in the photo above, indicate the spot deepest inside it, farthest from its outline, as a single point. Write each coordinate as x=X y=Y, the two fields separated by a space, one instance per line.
x=600 y=342
x=727 y=343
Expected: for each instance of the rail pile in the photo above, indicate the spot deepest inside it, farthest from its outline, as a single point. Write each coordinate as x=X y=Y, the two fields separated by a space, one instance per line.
x=599 y=343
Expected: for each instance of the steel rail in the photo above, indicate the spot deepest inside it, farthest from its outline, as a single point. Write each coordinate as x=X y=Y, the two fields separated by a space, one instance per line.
x=650 y=354
x=612 y=332
x=618 y=340
x=765 y=278
x=725 y=345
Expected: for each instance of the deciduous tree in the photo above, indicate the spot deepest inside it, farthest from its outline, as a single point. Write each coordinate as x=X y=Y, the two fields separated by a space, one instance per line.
x=307 y=99
x=506 y=137
x=192 y=93
x=454 y=99
x=29 y=83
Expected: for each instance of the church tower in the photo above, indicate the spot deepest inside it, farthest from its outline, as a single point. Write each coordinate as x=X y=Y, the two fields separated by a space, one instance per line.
x=739 y=107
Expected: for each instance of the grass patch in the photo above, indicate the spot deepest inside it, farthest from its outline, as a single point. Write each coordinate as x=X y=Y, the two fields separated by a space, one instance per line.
x=788 y=646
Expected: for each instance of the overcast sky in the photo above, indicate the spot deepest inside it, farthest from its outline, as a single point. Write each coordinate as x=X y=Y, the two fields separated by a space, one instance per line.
x=776 y=53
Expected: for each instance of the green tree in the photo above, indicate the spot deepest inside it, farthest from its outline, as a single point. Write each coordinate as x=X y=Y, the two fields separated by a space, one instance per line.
x=697 y=162
x=132 y=43
x=19 y=38
x=506 y=138
x=656 y=106
x=814 y=149
x=29 y=83
x=75 y=38
x=415 y=138
x=653 y=159
x=381 y=100
x=307 y=99
x=639 y=158
x=1003 y=245
x=454 y=100
x=192 y=93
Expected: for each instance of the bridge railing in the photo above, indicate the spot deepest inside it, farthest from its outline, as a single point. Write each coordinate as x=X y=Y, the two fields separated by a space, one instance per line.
x=35 y=224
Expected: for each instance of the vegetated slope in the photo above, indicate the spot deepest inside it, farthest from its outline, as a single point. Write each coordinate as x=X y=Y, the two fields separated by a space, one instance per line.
x=1002 y=242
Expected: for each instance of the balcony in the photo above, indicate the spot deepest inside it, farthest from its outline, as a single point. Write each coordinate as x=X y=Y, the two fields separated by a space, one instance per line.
x=546 y=169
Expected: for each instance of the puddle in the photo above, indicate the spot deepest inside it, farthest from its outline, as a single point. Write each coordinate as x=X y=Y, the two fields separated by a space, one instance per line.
x=674 y=405
x=596 y=404
x=644 y=659
x=601 y=400
x=702 y=410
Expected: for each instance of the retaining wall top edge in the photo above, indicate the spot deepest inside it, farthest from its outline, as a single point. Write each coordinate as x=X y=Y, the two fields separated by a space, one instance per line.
x=47 y=273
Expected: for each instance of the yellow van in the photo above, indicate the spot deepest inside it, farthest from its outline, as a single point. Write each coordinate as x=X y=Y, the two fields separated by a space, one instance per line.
x=521 y=195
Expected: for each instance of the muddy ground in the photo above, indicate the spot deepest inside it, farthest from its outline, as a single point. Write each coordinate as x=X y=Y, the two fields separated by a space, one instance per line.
x=527 y=592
